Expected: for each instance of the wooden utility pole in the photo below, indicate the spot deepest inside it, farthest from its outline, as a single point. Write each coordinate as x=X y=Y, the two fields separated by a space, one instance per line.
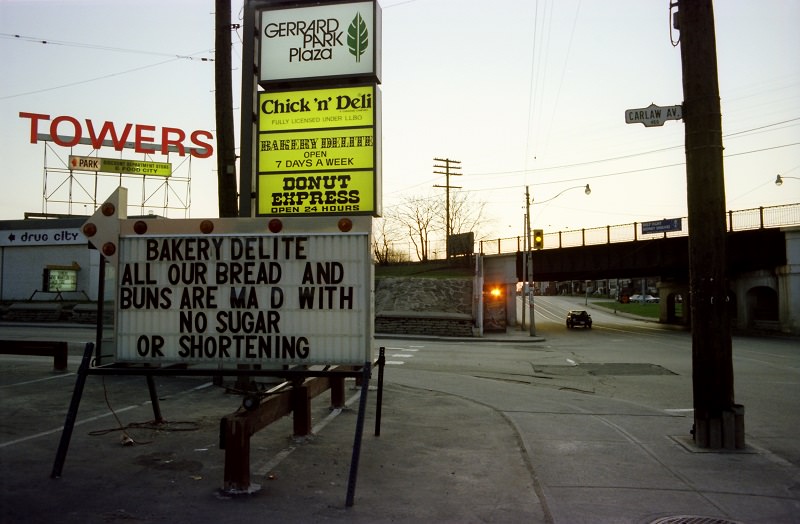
x=226 y=144
x=718 y=421
x=528 y=296
x=448 y=170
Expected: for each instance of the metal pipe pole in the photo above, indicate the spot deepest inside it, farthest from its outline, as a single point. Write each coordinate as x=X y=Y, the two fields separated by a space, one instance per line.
x=530 y=260
x=524 y=268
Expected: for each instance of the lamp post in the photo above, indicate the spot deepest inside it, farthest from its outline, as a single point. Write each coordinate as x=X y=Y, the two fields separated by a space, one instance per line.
x=529 y=250
x=779 y=179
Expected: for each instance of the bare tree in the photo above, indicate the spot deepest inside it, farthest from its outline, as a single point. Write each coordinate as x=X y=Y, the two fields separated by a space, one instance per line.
x=385 y=234
x=420 y=217
x=466 y=215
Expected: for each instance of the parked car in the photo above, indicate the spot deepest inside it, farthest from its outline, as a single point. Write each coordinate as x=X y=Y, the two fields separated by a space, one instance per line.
x=578 y=317
x=644 y=299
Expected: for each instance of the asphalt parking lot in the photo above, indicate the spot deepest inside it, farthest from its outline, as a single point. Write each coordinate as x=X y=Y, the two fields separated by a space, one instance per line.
x=120 y=467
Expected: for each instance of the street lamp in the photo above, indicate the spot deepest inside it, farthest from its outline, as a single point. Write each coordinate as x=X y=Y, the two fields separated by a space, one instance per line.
x=779 y=179
x=529 y=250
x=586 y=189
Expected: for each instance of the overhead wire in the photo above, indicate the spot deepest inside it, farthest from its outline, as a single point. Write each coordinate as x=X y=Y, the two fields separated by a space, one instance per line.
x=616 y=173
x=38 y=40
x=86 y=81
x=65 y=43
x=563 y=74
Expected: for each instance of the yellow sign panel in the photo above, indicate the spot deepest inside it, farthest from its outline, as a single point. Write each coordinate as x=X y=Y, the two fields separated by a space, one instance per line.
x=117 y=165
x=316 y=109
x=316 y=193
x=325 y=149
x=317 y=151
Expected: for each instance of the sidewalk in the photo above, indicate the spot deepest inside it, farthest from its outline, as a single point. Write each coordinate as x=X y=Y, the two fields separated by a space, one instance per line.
x=452 y=449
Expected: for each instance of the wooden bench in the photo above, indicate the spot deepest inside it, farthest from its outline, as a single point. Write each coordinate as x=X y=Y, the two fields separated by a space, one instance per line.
x=45 y=348
x=237 y=428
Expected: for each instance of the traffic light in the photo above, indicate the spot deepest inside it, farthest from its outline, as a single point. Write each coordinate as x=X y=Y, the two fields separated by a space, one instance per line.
x=538 y=239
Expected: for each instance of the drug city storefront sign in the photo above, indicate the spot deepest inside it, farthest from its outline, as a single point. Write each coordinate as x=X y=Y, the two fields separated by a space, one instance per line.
x=318 y=151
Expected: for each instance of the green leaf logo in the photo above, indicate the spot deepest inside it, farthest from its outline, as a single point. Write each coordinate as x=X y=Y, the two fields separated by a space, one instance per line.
x=357 y=37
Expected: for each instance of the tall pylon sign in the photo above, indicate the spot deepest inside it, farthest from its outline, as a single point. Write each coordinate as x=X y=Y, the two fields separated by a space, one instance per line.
x=311 y=121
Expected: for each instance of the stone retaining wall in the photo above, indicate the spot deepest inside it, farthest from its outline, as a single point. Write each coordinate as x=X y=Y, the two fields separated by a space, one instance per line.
x=33 y=312
x=424 y=306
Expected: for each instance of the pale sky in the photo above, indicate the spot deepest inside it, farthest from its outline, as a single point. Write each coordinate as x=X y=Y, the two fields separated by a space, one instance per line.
x=522 y=92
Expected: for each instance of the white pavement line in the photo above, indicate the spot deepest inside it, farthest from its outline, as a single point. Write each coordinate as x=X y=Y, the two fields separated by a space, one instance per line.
x=37 y=380
x=56 y=430
x=394 y=362
x=679 y=410
x=98 y=417
x=402 y=355
x=278 y=457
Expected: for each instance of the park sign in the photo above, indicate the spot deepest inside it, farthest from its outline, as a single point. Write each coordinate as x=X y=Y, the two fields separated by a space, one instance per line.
x=118 y=165
x=332 y=40
x=318 y=152
x=229 y=291
x=653 y=115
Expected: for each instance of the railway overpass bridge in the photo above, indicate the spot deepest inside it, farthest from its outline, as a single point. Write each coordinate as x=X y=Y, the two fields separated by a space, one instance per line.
x=763 y=266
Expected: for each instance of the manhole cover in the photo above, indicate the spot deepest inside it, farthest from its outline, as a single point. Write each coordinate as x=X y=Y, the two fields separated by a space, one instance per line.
x=693 y=519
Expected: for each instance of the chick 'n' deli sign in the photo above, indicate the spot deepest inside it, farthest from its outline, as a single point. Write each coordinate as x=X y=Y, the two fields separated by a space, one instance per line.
x=68 y=131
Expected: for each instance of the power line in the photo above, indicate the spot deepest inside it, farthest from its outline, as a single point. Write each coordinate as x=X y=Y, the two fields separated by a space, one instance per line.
x=37 y=40
x=633 y=155
x=86 y=81
x=616 y=173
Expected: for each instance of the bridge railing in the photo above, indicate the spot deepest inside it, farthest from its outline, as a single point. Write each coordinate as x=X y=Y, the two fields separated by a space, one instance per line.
x=741 y=220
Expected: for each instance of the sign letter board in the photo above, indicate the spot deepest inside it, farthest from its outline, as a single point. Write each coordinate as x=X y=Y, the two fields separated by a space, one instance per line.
x=243 y=296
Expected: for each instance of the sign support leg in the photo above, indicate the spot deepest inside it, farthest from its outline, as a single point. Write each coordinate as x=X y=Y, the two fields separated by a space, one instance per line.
x=72 y=412
x=151 y=387
x=379 y=403
x=362 y=407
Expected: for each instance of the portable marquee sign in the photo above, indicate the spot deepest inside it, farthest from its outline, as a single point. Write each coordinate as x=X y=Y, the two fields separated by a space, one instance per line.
x=237 y=290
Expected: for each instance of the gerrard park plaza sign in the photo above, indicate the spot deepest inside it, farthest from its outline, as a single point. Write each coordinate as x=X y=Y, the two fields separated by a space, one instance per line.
x=315 y=141
x=318 y=151
x=333 y=40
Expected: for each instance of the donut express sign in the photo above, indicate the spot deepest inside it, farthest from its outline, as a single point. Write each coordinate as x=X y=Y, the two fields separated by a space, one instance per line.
x=318 y=151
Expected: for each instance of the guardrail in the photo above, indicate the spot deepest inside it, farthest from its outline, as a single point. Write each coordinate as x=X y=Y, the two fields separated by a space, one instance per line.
x=741 y=220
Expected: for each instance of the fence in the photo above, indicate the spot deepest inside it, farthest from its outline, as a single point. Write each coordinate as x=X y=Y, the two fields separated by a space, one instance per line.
x=745 y=219
x=741 y=220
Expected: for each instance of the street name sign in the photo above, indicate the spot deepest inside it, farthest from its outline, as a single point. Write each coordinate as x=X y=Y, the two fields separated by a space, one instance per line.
x=661 y=226
x=653 y=115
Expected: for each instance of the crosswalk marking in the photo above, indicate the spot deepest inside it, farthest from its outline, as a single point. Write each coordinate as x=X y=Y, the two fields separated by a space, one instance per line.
x=401 y=353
